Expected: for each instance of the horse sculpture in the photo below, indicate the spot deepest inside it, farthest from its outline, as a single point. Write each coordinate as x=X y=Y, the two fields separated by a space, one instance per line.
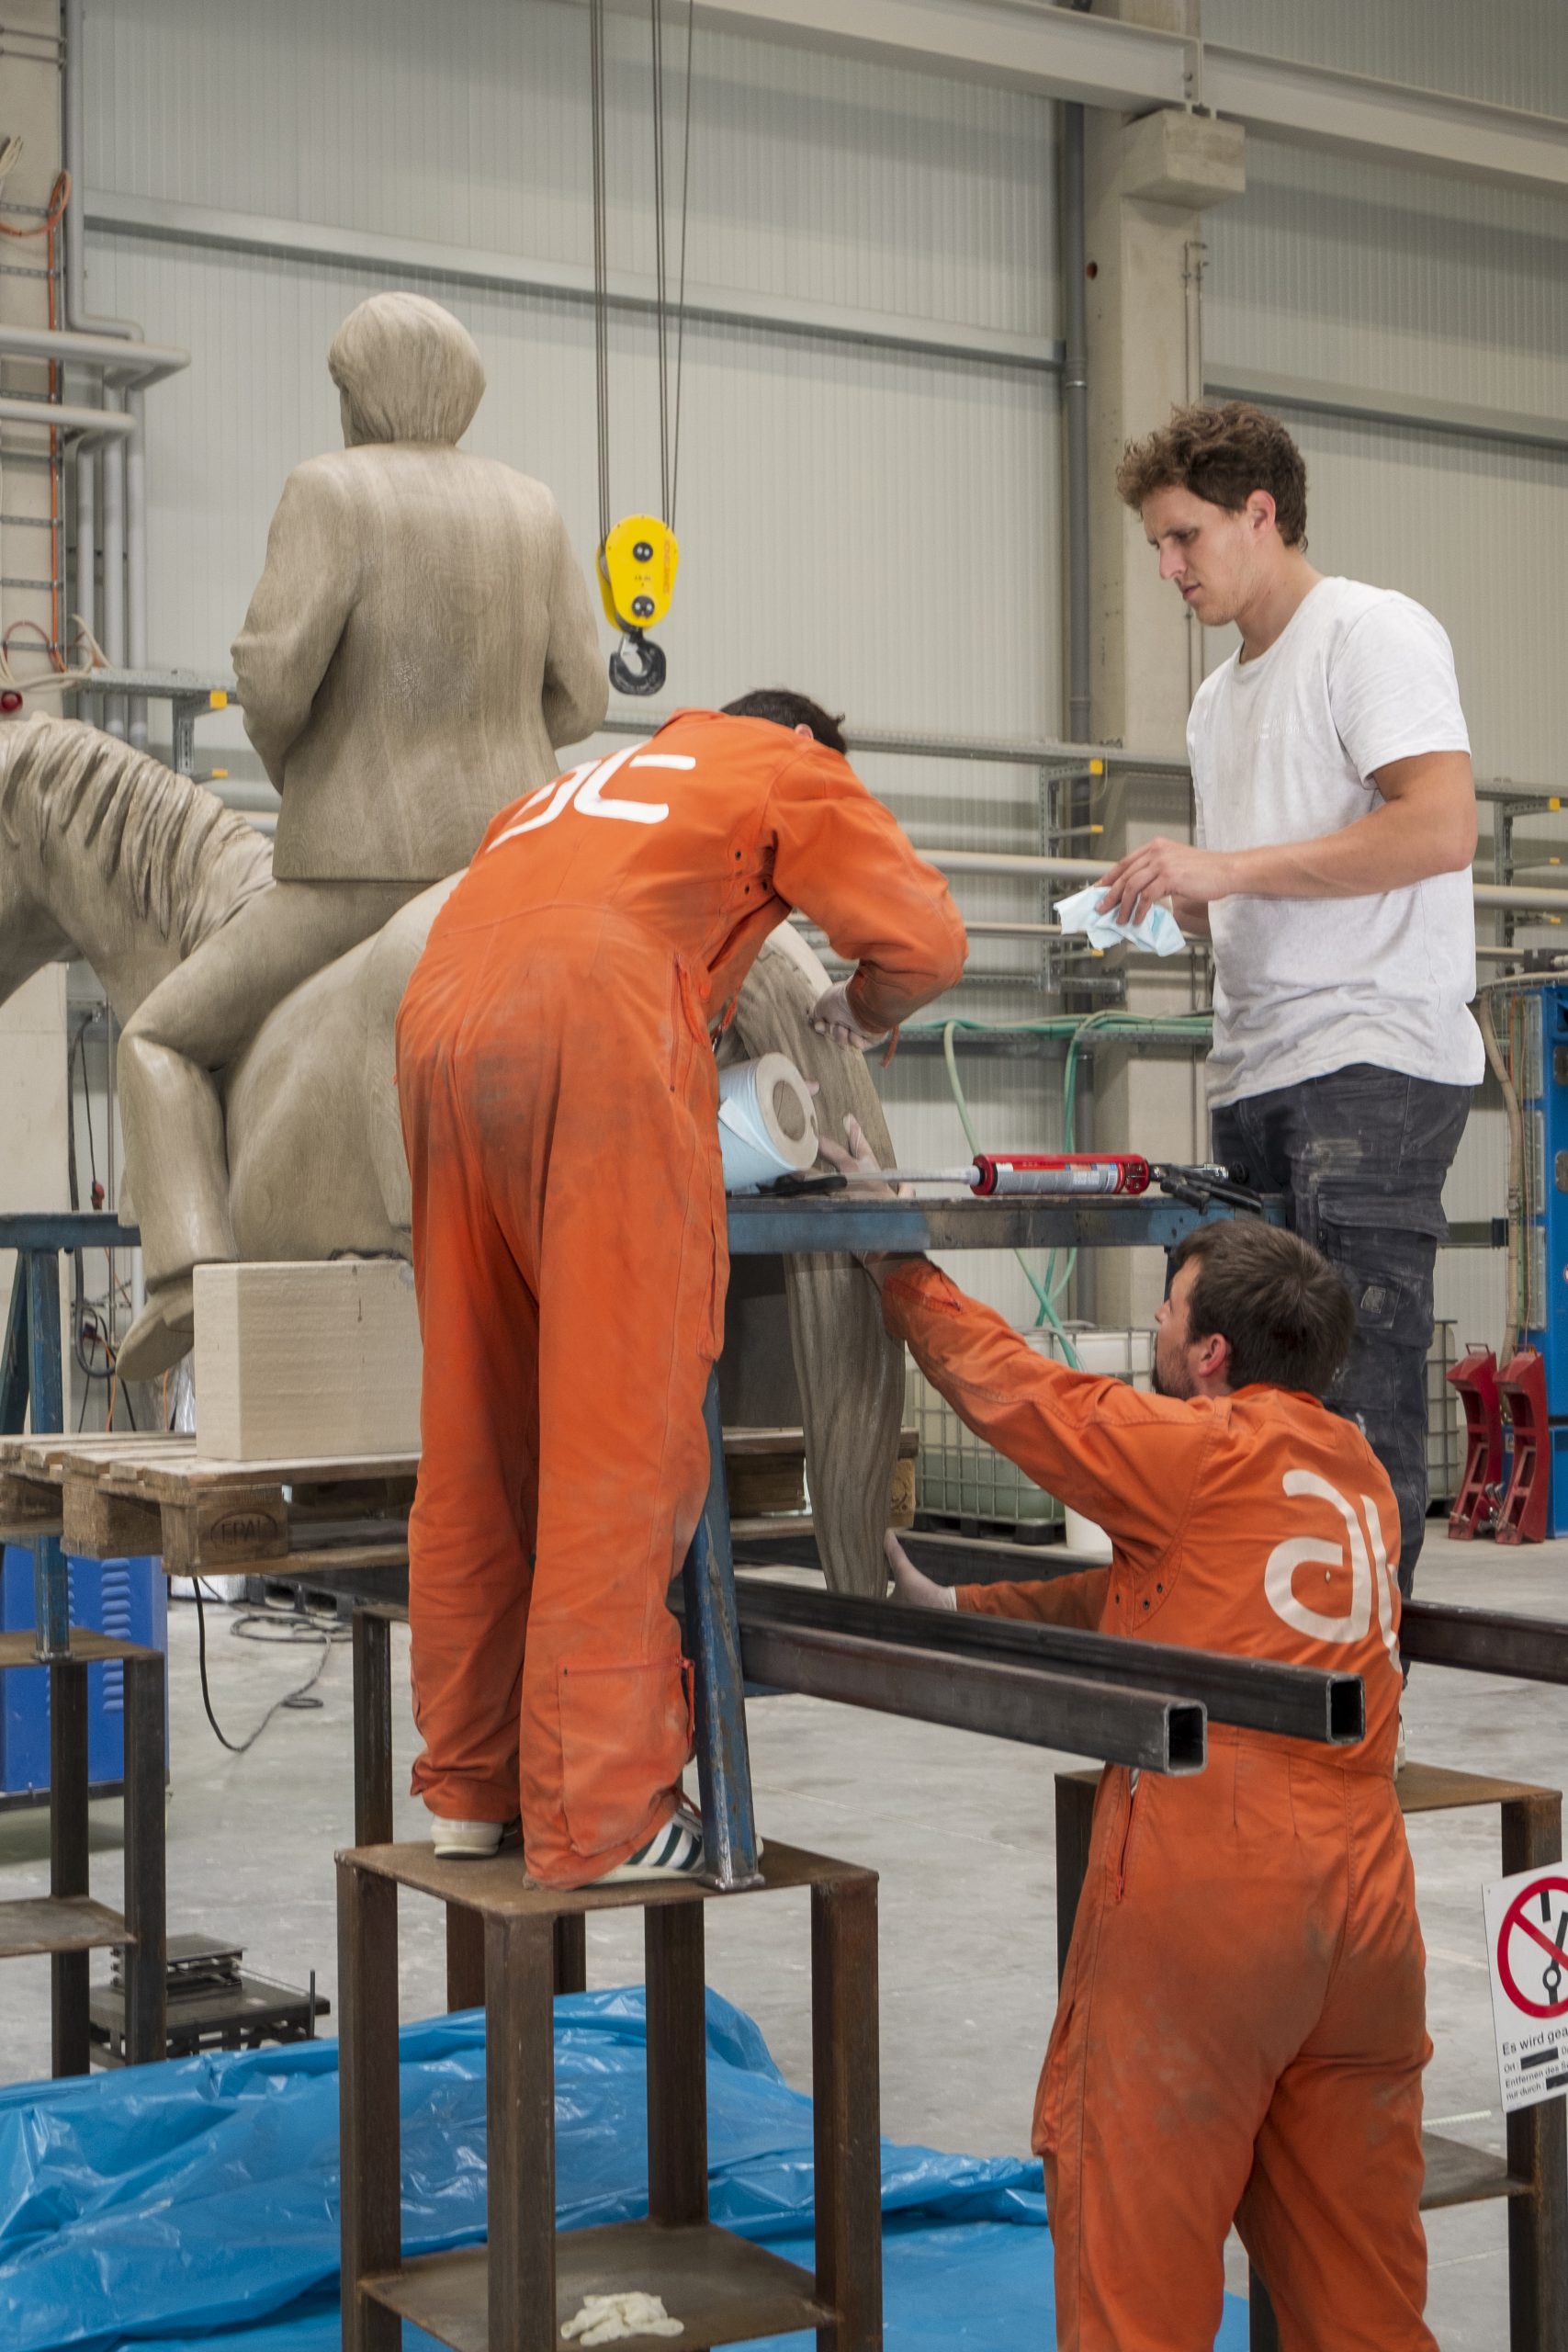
x=107 y=855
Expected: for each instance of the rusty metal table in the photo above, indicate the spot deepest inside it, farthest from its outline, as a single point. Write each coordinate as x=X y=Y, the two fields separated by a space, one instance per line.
x=67 y=1924
x=1533 y=2175
x=513 y=2293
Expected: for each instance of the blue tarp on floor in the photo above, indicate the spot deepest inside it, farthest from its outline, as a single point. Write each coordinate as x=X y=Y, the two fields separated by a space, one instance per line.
x=196 y=2203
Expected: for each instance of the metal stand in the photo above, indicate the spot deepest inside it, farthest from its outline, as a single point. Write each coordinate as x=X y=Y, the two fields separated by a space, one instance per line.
x=514 y=2293
x=68 y=1924
x=1534 y=2174
x=724 y=1761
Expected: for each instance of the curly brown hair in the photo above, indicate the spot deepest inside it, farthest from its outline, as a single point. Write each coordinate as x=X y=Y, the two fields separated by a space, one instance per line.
x=1221 y=454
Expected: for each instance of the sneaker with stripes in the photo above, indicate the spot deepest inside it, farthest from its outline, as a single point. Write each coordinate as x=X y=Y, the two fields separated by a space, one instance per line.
x=673 y=1851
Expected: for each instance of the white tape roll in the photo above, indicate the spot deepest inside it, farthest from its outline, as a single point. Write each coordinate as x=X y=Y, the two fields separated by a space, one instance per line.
x=767 y=1123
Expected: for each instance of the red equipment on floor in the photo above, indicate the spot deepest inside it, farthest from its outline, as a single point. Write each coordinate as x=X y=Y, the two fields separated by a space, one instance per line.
x=1475 y=1377
x=1521 y=1384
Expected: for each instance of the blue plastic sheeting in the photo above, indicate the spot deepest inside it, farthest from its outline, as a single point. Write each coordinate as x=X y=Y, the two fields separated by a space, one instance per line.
x=195 y=2203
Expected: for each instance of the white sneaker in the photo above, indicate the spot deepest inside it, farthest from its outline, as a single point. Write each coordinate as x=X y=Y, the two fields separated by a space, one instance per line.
x=468 y=1841
x=675 y=1851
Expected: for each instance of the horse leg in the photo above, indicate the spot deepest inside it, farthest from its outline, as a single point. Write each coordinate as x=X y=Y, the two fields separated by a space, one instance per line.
x=851 y=1375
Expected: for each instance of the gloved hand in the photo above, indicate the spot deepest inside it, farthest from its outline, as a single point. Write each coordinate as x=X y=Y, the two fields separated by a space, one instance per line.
x=859 y=1160
x=909 y=1586
x=832 y=1017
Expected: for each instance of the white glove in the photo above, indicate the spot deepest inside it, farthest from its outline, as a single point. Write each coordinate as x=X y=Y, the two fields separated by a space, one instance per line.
x=915 y=1590
x=832 y=1017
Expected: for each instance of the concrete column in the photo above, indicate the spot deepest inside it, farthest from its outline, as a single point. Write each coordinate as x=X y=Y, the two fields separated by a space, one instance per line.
x=1148 y=183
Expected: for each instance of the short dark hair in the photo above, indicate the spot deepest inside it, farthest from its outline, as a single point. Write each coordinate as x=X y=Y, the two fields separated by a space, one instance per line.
x=1223 y=454
x=1283 y=1307
x=786 y=708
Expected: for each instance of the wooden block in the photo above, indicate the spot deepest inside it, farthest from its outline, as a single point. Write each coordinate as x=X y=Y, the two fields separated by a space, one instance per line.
x=306 y=1359
x=901 y=1502
x=760 y=1485
x=226 y=1532
x=99 y=1526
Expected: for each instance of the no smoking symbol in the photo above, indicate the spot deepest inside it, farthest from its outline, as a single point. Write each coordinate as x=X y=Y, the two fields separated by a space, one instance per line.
x=1536 y=1923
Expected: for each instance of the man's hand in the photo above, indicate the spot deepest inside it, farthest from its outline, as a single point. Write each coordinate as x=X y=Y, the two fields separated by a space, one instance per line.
x=832 y=1017
x=909 y=1586
x=860 y=1160
x=1162 y=869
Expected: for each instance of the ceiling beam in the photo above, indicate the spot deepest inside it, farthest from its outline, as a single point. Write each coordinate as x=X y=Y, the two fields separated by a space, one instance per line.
x=1059 y=52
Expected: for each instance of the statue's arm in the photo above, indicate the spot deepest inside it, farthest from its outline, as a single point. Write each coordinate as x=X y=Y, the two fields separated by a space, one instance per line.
x=301 y=602
x=576 y=684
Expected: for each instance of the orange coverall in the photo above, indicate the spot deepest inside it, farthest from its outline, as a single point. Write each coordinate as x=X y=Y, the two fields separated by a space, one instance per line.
x=559 y=1106
x=1241 y=2029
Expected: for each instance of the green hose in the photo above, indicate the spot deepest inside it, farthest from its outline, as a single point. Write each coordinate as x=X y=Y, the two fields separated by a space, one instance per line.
x=1197 y=1028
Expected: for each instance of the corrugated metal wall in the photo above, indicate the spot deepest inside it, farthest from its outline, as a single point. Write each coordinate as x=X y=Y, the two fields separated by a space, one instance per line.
x=878 y=526
x=1513 y=55
x=881 y=526
x=1333 y=270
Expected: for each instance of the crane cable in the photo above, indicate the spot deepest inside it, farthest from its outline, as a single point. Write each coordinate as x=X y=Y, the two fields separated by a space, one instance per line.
x=637 y=557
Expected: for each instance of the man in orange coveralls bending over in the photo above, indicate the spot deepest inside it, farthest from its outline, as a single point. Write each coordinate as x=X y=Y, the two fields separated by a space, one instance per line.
x=1241 y=2031
x=559 y=1106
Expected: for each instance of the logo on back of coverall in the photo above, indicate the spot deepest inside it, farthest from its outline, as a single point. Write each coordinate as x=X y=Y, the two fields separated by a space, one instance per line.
x=1358 y=1551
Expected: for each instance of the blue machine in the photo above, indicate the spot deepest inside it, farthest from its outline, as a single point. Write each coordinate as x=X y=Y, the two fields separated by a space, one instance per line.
x=126 y=1599
x=1532 y=1024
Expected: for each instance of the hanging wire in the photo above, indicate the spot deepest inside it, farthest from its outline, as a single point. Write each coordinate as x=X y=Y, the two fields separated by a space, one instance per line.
x=660 y=274
x=668 y=409
x=600 y=274
x=681 y=299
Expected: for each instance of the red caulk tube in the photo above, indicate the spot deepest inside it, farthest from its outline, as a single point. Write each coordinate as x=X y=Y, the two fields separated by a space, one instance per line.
x=1030 y=1171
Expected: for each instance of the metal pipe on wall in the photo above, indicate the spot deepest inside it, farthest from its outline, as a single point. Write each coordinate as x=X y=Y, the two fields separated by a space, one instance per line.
x=1073 y=264
x=116 y=487
x=135 y=557
x=112 y=634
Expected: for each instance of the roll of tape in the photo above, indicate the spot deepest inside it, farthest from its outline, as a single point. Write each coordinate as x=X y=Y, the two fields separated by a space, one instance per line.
x=767 y=1122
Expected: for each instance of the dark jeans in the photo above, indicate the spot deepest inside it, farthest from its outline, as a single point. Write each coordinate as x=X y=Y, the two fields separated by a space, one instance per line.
x=1362 y=1154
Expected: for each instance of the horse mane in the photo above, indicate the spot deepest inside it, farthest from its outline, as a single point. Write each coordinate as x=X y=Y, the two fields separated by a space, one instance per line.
x=187 y=860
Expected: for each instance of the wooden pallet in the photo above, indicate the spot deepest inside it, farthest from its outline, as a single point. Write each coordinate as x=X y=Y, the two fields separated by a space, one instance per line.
x=108 y=1496
x=104 y=1496
x=765 y=1472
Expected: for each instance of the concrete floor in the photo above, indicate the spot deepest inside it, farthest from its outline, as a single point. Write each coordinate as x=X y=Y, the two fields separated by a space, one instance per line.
x=960 y=1829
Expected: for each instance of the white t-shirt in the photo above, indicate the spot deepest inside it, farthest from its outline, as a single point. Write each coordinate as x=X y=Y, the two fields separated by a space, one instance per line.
x=1284 y=748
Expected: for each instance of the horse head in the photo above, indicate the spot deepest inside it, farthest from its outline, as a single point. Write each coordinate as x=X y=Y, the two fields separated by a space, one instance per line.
x=108 y=855
x=29 y=936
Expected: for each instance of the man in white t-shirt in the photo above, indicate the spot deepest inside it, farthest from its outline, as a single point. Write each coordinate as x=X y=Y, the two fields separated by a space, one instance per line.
x=1335 y=825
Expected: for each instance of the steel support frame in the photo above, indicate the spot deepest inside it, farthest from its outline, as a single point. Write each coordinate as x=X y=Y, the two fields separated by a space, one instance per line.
x=1256 y=1694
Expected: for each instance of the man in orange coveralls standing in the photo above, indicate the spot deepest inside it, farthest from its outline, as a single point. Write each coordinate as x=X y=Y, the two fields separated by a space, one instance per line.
x=559 y=1107
x=1241 y=2031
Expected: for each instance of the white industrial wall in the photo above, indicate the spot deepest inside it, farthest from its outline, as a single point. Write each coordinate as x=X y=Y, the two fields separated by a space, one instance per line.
x=1437 y=287
x=879 y=524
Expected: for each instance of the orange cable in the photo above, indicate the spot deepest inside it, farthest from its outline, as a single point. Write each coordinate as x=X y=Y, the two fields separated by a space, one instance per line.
x=59 y=196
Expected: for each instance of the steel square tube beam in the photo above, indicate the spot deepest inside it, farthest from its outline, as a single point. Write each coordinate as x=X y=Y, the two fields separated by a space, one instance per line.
x=1003 y=1698
x=1257 y=1694
x=1483 y=1641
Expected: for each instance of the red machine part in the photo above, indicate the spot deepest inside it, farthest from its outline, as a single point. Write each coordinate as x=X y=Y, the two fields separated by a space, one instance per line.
x=1522 y=1517
x=1071 y=1171
x=1475 y=1377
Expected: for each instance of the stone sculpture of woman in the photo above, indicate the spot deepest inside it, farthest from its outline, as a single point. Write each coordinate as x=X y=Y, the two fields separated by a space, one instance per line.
x=420 y=642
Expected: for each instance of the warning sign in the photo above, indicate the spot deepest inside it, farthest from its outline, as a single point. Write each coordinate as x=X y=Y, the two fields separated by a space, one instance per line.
x=1526 y=1938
